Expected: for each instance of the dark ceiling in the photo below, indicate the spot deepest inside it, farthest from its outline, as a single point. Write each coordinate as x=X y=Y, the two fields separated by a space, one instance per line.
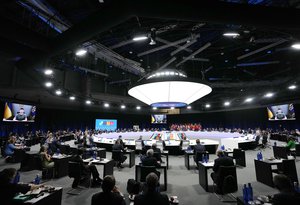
x=39 y=34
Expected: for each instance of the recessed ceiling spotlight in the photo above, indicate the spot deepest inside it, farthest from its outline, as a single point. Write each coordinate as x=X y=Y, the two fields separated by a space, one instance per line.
x=292 y=87
x=141 y=60
x=72 y=98
x=231 y=34
x=106 y=105
x=269 y=95
x=249 y=100
x=172 y=108
x=269 y=52
x=222 y=53
x=247 y=49
x=226 y=103
x=207 y=105
x=48 y=84
x=48 y=72
x=81 y=52
x=138 y=107
x=140 y=38
x=58 y=92
x=296 y=46
x=123 y=106
x=189 y=107
x=130 y=52
x=226 y=61
x=88 y=102
x=154 y=108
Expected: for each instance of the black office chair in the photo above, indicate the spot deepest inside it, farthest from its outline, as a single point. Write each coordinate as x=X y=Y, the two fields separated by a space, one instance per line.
x=238 y=156
x=226 y=183
x=117 y=157
x=145 y=170
x=76 y=172
x=289 y=169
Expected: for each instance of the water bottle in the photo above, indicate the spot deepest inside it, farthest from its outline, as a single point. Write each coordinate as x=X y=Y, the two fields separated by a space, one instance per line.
x=275 y=144
x=17 y=178
x=261 y=156
x=245 y=194
x=223 y=147
x=250 y=192
x=37 y=179
x=258 y=156
x=205 y=158
x=57 y=151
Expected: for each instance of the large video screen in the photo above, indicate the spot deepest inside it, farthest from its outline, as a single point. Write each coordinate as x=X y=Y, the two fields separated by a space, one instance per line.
x=15 y=112
x=159 y=119
x=281 y=112
x=106 y=124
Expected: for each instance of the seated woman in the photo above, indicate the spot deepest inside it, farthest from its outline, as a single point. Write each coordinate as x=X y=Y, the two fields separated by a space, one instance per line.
x=10 y=149
x=46 y=158
x=9 y=189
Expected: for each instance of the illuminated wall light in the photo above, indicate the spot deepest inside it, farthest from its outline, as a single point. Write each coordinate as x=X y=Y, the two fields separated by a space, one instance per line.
x=269 y=95
x=226 y=103
x=123 y=106
x=58 y=92
x=207 y=105
x=292 y=87
x=106 y=105
x=138 y=107
x=189 y=107
x=154 y=108
x=81 y=52
x=48 y=72
x=72 y=98
x=172 y=108
x=48 y=84
x=140 y=38
x=249 y=100
x=88 y=102
x=231 y=34
x=296 y=46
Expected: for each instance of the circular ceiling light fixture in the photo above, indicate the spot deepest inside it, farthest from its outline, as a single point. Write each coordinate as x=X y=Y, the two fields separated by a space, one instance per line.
x=81 y=52
x=169 y=88
x=296 y=46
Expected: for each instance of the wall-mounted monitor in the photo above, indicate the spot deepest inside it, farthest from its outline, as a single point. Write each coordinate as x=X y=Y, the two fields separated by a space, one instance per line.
x=106 y=124
x=15 y=112
x=158 y=119
x=281 y=112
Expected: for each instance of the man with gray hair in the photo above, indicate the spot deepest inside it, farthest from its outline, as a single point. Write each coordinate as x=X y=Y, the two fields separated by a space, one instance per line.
x=149 y=160
x=151 y=195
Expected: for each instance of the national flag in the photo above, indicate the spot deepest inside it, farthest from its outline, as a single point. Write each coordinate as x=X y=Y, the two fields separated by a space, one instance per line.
x=33 y=112
x=152 y=119
x=270 y=114
x=8 y=111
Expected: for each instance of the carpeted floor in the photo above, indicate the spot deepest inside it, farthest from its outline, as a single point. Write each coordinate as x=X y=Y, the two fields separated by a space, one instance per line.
x=181 y=182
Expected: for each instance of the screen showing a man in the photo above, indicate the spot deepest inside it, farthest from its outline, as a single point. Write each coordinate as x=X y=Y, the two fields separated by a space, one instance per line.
x=281 y=112
x=15 y=112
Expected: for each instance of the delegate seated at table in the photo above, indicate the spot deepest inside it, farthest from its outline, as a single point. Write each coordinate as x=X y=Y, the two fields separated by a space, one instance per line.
x=8 y=189
x=150 y=160
x=46 y=158
x=110 y=195
x=10 y=148
x=287 y=194
x=119 y=147
x=222 y=160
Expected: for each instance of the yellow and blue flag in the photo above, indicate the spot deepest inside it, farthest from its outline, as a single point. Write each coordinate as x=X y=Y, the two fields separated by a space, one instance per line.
x=8 y=111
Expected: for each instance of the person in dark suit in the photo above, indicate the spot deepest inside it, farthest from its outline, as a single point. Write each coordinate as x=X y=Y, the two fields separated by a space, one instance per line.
x=110 y=195
x=151 y=195
x=87 y=169
x=157 y=152
x=150 y=160
x=287 y=194
x=9 y=189
x=198 y=148
x=222 y=160
x=119 y=147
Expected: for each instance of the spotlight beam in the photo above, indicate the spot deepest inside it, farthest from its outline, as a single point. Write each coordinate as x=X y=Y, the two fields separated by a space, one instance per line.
x=261 y=49
x=193 y=54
